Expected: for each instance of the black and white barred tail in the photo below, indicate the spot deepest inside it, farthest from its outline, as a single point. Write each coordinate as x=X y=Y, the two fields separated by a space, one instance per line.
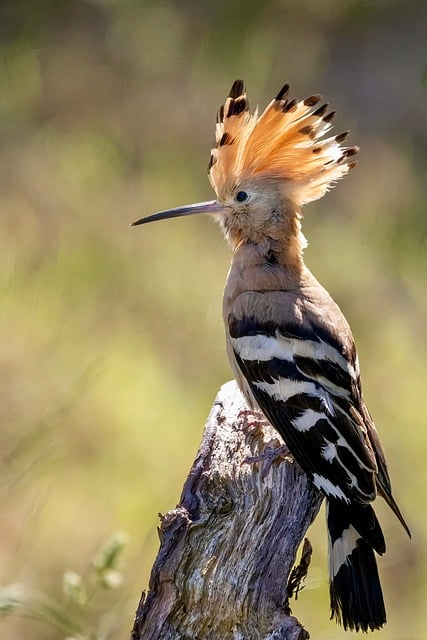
x=355 y=589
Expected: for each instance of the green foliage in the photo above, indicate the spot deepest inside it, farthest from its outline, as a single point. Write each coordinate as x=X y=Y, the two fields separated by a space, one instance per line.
x=81 y=611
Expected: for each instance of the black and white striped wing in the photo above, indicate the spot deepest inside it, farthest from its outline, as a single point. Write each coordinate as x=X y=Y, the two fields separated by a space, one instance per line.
x=310 y=392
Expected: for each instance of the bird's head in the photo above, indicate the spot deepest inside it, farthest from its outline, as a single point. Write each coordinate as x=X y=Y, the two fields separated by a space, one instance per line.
x=264 y=168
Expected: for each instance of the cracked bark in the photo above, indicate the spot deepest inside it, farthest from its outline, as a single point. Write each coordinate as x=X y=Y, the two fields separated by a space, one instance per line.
x=228 y=548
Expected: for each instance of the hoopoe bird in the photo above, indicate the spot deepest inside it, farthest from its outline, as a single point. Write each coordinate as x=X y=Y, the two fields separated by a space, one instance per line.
x=290 y=347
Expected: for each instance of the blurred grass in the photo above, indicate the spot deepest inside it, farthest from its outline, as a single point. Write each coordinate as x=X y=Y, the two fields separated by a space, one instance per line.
x=112 y=338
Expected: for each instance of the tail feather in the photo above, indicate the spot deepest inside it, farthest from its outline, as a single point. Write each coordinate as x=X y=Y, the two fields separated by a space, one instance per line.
x=355 y=589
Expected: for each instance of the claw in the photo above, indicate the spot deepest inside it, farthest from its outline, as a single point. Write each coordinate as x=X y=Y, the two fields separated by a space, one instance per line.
x=270 y=455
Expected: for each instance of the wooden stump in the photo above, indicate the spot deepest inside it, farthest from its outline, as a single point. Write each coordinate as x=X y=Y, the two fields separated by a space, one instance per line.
x=228 y=548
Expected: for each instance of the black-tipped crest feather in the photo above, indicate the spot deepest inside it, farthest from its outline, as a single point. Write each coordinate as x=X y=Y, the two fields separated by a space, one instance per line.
x=284 y=141
x=237 y=89
x=283 y=92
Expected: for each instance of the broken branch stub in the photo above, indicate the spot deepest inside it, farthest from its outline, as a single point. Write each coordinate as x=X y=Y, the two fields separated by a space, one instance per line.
x=228 y=548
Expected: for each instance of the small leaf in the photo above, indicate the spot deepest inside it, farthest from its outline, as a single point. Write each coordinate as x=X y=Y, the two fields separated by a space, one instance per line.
x=108 y=556
x=111 y=579
x=74 y=588
x=12 y=597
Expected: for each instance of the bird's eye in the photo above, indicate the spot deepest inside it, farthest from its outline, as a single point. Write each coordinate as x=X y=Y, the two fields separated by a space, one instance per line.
x=241 y=196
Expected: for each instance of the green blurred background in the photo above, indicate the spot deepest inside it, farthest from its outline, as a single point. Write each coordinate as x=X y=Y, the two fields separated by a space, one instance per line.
x=112 y=344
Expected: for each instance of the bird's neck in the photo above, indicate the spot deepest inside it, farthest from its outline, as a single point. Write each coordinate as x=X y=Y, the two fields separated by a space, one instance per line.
x=267 y=240
x=270 y=265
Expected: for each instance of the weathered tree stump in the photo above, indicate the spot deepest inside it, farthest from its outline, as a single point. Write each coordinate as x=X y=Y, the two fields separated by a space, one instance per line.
x=228 y=548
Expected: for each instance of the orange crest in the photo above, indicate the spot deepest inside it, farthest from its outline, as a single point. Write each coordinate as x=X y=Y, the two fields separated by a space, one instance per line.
x=285 y=142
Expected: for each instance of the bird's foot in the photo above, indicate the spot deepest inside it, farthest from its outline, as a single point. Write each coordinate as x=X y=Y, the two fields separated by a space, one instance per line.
x=267 y=458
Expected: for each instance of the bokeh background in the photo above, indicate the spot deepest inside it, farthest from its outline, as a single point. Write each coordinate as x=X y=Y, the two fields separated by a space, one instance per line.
x=111 y=338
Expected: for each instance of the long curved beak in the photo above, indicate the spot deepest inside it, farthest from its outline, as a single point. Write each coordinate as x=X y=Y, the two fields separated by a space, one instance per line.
x=212 y=206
